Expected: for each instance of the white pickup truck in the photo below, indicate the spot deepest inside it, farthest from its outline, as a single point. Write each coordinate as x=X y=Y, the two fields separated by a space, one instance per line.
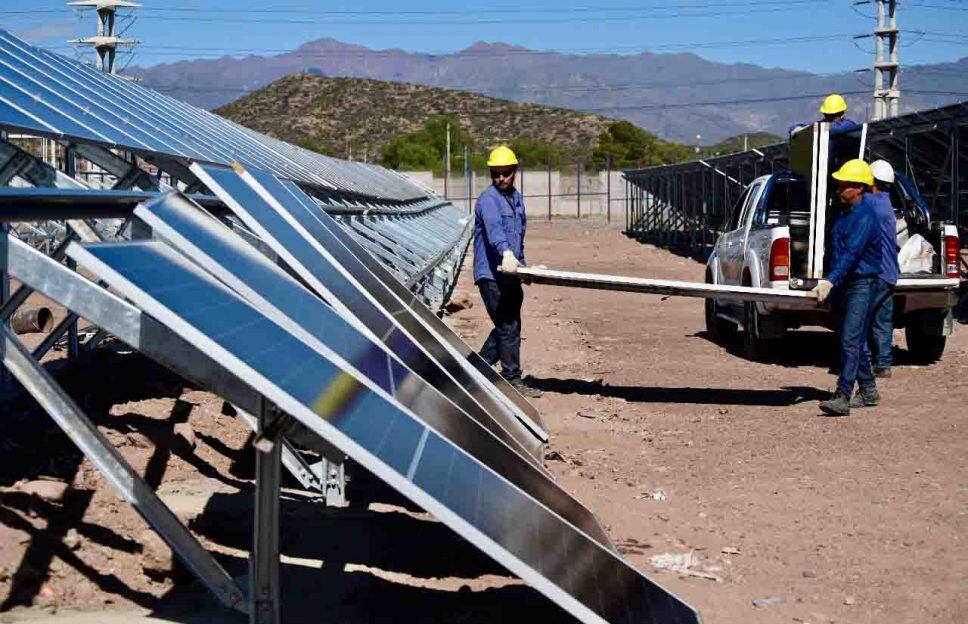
x=774 y=238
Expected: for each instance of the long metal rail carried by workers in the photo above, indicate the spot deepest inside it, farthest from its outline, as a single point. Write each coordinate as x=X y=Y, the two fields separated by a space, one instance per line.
x=701 y=290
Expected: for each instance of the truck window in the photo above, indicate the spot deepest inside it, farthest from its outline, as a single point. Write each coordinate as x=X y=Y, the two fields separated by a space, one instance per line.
x=751 y=201
x=737 y=209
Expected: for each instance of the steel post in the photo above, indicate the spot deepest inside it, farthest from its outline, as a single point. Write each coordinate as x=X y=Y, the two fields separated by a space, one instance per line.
x=264 y=564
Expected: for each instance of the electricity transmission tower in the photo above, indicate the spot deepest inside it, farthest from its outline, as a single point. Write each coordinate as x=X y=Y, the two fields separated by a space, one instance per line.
x=887 y=68
x=106 y=42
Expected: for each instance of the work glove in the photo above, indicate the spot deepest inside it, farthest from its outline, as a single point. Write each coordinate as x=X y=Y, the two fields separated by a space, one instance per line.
x=509 y=264
x=822 y=290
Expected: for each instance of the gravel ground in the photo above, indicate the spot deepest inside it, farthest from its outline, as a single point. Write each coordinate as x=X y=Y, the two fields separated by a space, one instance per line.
x=680 y=446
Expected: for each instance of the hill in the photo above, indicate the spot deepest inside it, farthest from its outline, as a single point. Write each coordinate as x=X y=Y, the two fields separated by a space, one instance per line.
x=654 y=91
x=360 y=117
x=736 y=143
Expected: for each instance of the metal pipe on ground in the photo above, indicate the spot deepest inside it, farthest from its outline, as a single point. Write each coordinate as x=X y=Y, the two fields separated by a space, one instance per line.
x=32 y=320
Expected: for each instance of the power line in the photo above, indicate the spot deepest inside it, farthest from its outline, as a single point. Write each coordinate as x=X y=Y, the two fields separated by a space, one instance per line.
x=483 y=18
x=661 y=6
x=616 y=50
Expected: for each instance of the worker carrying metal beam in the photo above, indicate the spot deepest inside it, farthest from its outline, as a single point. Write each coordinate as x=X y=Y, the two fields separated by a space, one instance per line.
x=499 y=228
x=860 y=275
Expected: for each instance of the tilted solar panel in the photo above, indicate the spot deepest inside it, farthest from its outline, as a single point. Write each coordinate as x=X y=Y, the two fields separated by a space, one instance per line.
x=346 y=250
x=222 y=253
x=330 y=279
x=587 y=580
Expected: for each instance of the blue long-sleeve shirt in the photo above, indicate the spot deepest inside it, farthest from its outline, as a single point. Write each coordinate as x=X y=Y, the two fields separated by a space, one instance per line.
x=836 y=127
x=858 y=244
x=499 y=225
x=886 y=238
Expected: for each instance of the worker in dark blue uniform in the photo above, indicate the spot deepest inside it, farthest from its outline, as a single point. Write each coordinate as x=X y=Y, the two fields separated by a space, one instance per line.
x=882 y=323
x=834 y=111
x=859 y=277
x=499 y=226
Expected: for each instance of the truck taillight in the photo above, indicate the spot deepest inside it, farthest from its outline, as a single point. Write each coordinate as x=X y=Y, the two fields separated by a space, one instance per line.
x=780 y=260
x=951 y=252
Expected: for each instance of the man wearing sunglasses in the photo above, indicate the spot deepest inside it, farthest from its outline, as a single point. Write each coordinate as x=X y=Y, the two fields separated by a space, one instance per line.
x=499 y=225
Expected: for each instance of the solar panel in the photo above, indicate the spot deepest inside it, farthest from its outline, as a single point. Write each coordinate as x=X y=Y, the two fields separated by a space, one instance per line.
x=265 y=286
x=49 y=95
x=328 y=278
x=391 y=294
x=580 y=575
x=350 y=254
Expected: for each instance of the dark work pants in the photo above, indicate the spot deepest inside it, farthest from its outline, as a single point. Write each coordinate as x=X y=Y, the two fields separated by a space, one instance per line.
x=856 y=307
x=502 y=299
x=882 y=329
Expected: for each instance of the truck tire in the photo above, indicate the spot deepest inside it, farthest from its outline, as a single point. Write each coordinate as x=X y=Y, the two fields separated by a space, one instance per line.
x=754 y=347
x=924 y=347
x=717 y=328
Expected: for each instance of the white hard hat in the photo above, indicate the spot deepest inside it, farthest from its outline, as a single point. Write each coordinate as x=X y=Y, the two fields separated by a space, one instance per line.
x=883 y=171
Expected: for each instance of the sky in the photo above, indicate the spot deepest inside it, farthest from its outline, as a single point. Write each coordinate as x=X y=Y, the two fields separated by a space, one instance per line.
x=809 y=35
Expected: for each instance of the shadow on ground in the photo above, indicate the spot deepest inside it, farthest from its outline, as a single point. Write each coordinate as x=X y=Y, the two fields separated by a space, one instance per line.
x=374 y=563
x=803 y=348
x=790 y=395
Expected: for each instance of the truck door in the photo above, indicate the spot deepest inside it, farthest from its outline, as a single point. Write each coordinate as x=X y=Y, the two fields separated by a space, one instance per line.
x=731 y=240
x=736 y=250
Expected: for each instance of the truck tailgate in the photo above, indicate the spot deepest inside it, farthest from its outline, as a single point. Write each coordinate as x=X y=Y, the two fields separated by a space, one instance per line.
x=928 y=282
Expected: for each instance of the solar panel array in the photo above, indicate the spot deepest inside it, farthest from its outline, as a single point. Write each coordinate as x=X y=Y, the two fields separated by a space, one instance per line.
x=49 y=95
x=309 y=292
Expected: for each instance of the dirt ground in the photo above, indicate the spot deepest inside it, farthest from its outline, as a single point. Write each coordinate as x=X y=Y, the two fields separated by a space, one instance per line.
x=678 y=444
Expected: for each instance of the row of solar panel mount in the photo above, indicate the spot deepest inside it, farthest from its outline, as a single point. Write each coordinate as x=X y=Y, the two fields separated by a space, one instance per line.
x=295 y=287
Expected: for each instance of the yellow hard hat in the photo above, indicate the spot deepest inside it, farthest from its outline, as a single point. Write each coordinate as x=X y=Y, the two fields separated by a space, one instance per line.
x=855 y=171
x=502 y=156
x=833 y=104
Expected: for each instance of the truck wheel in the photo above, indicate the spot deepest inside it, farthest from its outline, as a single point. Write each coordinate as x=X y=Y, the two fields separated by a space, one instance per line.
x=924 y=348
x=718 y=328
x=754 y=347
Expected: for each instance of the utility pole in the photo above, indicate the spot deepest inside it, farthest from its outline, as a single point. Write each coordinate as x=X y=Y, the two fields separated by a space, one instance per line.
x=887 y=92
x=447 y=162
x=106 y=42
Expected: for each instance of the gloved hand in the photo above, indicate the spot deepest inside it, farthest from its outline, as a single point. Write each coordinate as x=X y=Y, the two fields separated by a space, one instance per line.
x=822 y=290
x=509 y=264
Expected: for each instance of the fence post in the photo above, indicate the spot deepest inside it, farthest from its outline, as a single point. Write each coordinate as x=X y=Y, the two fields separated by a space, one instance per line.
x=608 y=188
x=549 y=188
x=578 y=188
x=469 y=173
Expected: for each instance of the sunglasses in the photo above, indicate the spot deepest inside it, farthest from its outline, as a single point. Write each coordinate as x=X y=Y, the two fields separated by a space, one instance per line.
x=497 y=175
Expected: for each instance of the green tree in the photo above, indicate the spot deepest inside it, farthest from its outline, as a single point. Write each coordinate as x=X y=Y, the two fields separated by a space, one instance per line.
x=631 y=146
x=535 y=152
x=425 y=148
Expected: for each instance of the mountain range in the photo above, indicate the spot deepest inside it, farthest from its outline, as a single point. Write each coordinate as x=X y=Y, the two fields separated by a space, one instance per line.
x=676 y=96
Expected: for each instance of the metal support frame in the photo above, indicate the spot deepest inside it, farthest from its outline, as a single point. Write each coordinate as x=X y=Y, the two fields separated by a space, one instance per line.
x=926 y=145
x=118 y=473
x=264 y=562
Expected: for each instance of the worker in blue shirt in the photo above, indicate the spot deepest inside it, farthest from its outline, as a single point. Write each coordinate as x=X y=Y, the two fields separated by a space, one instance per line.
x=882 y=324
x=834 y=111
x=499 y=227
x=861 y=277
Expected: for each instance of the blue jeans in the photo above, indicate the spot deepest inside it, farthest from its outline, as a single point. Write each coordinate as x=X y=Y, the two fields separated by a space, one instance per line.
x=882 y=329
x=502 y=299
x=856 y=306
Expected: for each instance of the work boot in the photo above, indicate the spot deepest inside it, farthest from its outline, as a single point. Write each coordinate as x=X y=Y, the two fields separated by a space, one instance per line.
x=866 y=397
x=883 y=373
x=837 y=405
x=523 y=389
